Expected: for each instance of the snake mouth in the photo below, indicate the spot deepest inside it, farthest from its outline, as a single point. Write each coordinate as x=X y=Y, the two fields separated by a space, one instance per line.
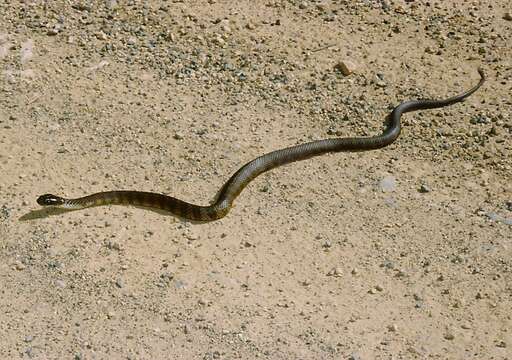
x=50 y=200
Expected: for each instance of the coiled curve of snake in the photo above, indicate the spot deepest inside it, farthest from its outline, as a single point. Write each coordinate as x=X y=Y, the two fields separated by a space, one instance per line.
x=240 y=179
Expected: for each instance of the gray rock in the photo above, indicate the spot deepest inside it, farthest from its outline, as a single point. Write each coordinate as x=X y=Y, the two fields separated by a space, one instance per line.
x=388 y=184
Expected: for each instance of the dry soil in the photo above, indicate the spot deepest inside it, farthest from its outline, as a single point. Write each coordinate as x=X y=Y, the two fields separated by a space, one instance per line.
x=401 y=253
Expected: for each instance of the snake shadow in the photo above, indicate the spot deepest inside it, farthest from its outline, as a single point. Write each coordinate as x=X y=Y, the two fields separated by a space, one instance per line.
x=42 y=213
x=53 y=211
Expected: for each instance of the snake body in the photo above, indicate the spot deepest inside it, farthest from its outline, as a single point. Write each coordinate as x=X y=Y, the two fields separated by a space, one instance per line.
x=240 y=179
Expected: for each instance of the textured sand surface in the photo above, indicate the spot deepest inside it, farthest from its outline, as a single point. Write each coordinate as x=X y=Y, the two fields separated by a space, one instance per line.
x=401 y=253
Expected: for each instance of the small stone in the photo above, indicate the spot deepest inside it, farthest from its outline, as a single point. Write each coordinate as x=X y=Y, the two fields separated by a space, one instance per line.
x=388 y=184
x=379 y=288
x=29 y=351
x=334 y=272
x=346 y=67
x=354 y=356
x=429 y=50
x=101 y=35
x=501 y=344
x=508 y=16
x=191 y=237
x=400 y=273
x=178 y=136
x=111 y=4
x=388 y=264
x=131 y=41
x=202 y=302
x=250 y=26
x=449 y=336
x=265 y=188
x=119 y=283
x=417 y=297
x=392 y=328
x=219 y=40
x=19 y=265
x=424 y=189
x=29 y=338
x=113 y=245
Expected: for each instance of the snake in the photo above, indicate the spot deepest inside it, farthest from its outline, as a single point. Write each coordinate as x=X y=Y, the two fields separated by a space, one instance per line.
x=243 y=176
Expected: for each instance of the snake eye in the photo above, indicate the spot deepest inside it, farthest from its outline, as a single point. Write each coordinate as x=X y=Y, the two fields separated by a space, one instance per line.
x=49 y=200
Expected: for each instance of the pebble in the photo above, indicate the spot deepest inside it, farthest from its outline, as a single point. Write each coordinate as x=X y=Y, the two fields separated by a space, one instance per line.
x=501 y=344
x=327 y=244
x=29 y=338
x=508 y=16
x=424 y=189
x=449 y=336
x=202 y=302
x=429 y=50
x=52 y=32
x=498 y=218
x=346 y=67
x=225 y=28
x=26 y=52
x=392 y=328
x=381 y=83
x=111 y=4
x=335 y=272
x=354 y=356
x=388 y=264
x=191 y=237
x=388 y=184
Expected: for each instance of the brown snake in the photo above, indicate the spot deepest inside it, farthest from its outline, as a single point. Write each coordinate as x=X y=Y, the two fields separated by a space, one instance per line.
x=252 y=169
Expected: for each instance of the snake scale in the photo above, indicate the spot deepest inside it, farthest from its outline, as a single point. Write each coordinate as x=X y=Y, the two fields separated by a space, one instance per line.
x=240 y=179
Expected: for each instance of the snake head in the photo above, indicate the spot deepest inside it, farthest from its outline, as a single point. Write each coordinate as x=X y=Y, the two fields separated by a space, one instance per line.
x=50 y=200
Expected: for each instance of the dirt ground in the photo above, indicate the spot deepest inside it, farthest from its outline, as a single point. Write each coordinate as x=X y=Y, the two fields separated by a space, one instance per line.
x=400 y=253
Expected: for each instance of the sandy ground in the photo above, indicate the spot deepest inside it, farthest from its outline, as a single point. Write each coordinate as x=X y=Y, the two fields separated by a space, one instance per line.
x=401 y=253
